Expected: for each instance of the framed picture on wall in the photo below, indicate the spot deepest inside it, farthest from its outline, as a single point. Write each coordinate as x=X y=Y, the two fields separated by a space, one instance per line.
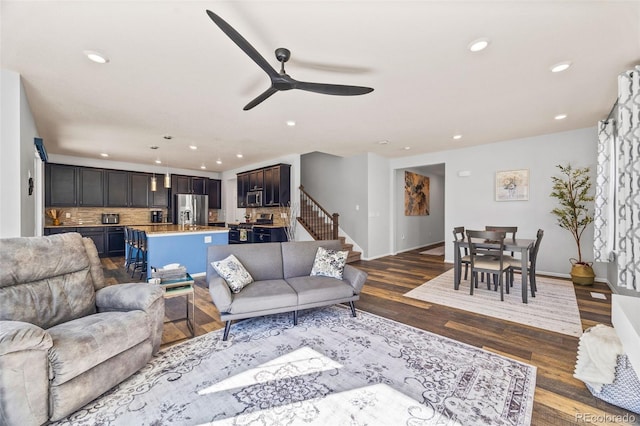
x=416 y=194
x=512 y=185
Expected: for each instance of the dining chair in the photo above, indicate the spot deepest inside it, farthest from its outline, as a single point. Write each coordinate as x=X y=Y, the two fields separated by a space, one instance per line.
x=508 y=230
x=488 y=258
x=459 y=236
x=531 y=264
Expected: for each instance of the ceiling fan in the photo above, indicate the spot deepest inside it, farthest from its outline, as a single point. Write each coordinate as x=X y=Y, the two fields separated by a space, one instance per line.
x=281 y=80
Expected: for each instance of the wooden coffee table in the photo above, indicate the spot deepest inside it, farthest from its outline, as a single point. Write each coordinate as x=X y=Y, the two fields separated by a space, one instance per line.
x=182 y=287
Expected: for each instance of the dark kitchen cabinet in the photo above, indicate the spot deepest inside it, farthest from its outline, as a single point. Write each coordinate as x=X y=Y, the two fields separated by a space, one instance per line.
x=115 y=240
x=116 y=188
x=188 y=184
x=199 y=185
x=256 y=180
x=90 y=187
x=96 y=233
x=180 y=184
x=214 y=187
x=277 y=186
x=61 y=230
x=61 y=182
x=269 y=235
x=243 y=188
x=159 y=197
x=139 y=184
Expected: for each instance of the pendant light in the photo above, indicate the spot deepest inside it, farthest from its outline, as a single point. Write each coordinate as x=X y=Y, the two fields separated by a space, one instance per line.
x=167 y=176
x=154 y=183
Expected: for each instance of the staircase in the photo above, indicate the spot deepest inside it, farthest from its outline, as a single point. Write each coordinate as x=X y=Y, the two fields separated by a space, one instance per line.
x=321 y=224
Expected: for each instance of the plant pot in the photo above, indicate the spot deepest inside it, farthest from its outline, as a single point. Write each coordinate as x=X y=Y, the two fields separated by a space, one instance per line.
x=582 y=272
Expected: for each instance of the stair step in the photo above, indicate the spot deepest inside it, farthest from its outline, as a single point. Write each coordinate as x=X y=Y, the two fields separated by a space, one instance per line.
x=354 y=256
x=347 y=247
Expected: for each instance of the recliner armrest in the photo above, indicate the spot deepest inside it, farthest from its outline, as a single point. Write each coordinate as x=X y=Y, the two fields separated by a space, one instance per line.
x=18 y=336
x=220 y=293
x=128 y=297
x=355 y=277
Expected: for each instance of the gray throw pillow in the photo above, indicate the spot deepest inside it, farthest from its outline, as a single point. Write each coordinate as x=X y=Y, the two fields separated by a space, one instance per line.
x=233 y=272
x=329 y=263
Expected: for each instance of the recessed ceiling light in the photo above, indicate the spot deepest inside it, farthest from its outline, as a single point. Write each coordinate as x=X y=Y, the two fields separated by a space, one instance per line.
x=239 y=155
x=456 y=137
x=96 y=57
x=384 y=142
x=291 y=123
x=168 y=137
x=203 y=167
x=158 y=162
x=218 y=161
x=561 y=66
x=560 y=116
x=153 y=147
x=104 y=154
x=193 y=147
x=407 y=148
x=478 y=45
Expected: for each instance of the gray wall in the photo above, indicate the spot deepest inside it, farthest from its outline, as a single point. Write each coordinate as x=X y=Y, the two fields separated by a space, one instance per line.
x=340 y=185
x=17 y=209
x=470 y=201
x=418 y=231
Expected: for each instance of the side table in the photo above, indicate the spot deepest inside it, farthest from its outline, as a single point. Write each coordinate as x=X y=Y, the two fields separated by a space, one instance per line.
x=182 y=287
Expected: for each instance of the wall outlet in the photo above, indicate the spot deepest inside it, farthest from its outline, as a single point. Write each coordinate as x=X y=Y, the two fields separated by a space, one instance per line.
x=207 y=239
x=67 y=215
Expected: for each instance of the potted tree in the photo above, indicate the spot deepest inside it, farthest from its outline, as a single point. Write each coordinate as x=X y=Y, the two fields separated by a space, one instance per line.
x=572 y=192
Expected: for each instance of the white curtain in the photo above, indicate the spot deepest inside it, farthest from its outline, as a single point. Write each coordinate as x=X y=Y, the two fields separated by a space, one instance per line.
x=603 y=223
x=628 y=180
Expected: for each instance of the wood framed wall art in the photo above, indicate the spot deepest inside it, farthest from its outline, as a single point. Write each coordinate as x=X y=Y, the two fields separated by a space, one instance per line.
x=416 y=194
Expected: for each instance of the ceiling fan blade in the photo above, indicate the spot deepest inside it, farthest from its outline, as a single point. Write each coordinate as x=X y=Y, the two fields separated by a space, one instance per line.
x=270 y=91
x=243 y=44
x=332 y=89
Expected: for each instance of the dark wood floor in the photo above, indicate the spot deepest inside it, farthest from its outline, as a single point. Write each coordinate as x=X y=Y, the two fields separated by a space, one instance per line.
x=560 y=399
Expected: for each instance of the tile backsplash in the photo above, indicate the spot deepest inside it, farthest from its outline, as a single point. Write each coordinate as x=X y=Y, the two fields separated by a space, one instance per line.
x=93 y=215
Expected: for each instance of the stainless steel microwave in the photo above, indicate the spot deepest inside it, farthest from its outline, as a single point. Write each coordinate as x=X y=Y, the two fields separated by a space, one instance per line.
x=254 y=199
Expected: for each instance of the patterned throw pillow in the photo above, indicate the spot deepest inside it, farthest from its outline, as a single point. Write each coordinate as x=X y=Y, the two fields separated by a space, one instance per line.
x=329 y=263
x=233 y=272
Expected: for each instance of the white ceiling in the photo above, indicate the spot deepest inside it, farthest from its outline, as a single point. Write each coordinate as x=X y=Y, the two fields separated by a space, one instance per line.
x=173 y=71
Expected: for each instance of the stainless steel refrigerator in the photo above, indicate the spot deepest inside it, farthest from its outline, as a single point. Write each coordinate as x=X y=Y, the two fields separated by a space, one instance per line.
x=191 y=209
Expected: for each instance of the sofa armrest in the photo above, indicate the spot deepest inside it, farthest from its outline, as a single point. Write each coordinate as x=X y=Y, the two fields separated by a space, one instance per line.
x=220 y=293
x=16 y=336
x=355 y=277
x=136 y=296
x=24 y=376
x=128 y=297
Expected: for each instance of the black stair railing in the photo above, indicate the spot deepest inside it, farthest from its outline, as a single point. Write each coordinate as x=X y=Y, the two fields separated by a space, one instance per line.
x=321 y=224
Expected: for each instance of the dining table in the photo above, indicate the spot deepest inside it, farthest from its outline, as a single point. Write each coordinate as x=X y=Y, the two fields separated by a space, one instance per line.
x=519 y=245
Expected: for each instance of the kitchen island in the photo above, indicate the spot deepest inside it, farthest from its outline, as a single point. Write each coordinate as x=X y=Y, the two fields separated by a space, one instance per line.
x=186 y=245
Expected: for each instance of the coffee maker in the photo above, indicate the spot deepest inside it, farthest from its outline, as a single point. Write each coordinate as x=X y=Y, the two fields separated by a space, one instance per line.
x=156 y=216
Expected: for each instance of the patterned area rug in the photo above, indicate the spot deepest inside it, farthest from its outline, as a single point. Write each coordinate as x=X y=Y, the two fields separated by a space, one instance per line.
x=554 y=308
x=330 y=369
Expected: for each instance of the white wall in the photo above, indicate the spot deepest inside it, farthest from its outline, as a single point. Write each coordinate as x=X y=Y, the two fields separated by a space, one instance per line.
x=470 y=201
x=418 y=231
x=379 y=214
x=17 y=209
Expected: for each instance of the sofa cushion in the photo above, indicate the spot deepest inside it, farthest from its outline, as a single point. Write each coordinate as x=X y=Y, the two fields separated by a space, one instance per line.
x=298 y=256
x=81 y=344
x=319 y=289
x=329 y=263
x=233 y=273
x=263 y=296
x=263 y=261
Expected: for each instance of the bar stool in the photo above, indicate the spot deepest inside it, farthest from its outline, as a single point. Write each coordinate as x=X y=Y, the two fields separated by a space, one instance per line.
x=140 y=246
x=129 y=248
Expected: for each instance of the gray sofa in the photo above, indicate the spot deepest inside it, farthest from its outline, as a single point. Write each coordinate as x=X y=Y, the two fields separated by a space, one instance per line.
x=65 y=336
x=281 y=281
